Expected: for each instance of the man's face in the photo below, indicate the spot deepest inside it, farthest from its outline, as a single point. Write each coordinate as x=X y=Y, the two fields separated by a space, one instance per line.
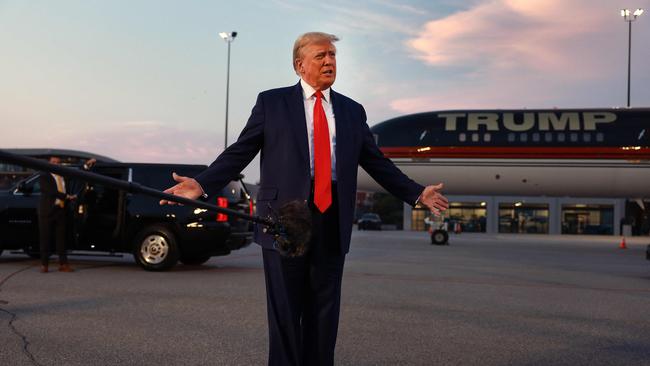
x=317 y=65
x=55 y=160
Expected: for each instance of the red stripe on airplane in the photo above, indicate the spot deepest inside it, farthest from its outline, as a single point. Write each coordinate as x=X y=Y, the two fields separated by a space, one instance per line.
x=627 y=153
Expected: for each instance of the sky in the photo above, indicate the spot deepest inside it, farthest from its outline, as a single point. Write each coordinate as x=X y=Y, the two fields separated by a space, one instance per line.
x=145 y=80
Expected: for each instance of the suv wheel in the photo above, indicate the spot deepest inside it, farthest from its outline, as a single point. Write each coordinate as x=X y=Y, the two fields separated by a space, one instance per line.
x=195 y=258
x=156 y=248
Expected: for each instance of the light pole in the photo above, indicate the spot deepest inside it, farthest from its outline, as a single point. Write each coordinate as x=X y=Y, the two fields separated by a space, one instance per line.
x=629 y=18
x=228 y=37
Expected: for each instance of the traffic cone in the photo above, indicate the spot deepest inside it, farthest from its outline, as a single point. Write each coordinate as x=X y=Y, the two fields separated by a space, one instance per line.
x=622 y=245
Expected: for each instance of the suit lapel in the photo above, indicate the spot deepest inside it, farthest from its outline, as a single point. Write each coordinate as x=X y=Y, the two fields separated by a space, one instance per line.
x=342 y=133
x=298 y=122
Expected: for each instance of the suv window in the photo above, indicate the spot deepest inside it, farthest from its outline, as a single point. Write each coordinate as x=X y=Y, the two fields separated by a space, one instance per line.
x=234 y=191
x=32 y=182
x=159 y=176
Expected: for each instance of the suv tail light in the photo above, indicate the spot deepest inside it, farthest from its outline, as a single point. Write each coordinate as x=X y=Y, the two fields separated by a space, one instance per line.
x=222 y=202
x=250 y=207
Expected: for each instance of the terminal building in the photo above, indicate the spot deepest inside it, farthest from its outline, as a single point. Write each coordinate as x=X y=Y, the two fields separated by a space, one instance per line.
x=552 y=171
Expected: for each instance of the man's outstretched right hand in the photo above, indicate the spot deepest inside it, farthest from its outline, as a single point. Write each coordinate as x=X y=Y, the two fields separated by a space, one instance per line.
x=187 y=187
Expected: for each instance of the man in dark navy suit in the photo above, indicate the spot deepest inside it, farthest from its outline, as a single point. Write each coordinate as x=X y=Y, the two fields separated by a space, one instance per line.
x=312 y=140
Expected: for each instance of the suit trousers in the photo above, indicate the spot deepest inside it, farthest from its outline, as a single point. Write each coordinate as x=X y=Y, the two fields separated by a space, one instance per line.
x=52 y=228
x=304 y=296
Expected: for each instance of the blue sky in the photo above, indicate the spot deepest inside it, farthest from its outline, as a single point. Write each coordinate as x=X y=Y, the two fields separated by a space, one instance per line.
x=144 y=80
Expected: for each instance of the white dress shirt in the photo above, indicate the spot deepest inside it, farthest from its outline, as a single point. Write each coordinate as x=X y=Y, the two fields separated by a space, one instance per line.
x=309 y=99
x=60 y=186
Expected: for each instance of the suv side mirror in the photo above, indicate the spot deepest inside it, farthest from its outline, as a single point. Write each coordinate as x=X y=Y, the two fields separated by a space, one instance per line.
x=24 y=189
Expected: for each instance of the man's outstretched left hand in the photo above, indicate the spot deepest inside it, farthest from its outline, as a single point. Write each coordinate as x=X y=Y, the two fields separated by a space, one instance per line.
x=432 y=199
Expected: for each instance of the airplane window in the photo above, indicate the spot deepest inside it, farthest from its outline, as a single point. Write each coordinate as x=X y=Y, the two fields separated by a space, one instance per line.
x=561 y=137
x=643 y=138
x=487 y=137
x=423 y=134
x=548 y=137
x=586 y=137
x=574 y=137
x=536 y=137
x=523 y=137
x=511 y=137
x=475 y=137
x=600 y=137
x=462 y=137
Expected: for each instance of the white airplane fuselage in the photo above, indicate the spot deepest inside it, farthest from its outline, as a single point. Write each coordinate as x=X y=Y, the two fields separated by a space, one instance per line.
x=576 y=153
x=526 y=177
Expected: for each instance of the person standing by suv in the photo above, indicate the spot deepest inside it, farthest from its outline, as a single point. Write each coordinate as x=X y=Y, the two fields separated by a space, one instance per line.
x=52 y=217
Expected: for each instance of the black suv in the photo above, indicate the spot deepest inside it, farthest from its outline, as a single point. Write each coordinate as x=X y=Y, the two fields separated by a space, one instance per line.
x=369 y=221
x=108 y=220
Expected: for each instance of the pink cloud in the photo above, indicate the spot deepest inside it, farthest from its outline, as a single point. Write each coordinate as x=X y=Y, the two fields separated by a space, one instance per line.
x=149 y=141
x=505 y=33
x=522 y=53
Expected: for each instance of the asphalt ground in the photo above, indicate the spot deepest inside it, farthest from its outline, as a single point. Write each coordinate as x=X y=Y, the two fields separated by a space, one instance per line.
x=483 y=300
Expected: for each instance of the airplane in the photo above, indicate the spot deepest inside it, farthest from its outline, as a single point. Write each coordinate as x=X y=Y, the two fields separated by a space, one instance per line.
x=586 y=152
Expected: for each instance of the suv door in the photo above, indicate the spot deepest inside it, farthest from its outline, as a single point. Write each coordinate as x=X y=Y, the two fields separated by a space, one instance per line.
x=99 y=216
x=22 y=215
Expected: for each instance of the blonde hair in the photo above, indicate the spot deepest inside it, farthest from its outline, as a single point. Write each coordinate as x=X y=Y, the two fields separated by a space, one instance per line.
x=307 y=39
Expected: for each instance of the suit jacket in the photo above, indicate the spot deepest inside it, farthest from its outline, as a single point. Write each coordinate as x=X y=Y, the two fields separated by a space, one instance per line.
x=277 y=127
x=49 y=194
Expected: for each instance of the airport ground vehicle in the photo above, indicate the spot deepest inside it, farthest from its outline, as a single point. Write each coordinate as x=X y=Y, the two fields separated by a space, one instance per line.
x=438 y=230
x=440 y=237
x=108 y=220
x=369 y=221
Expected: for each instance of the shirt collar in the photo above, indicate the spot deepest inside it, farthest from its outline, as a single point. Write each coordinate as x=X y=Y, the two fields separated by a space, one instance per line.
x=308 y=91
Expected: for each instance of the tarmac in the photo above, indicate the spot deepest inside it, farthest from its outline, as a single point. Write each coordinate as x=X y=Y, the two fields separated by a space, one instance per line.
x=482 y=300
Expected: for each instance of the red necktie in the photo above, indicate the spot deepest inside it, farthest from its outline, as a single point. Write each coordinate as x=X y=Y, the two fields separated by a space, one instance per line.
x=322 y=157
